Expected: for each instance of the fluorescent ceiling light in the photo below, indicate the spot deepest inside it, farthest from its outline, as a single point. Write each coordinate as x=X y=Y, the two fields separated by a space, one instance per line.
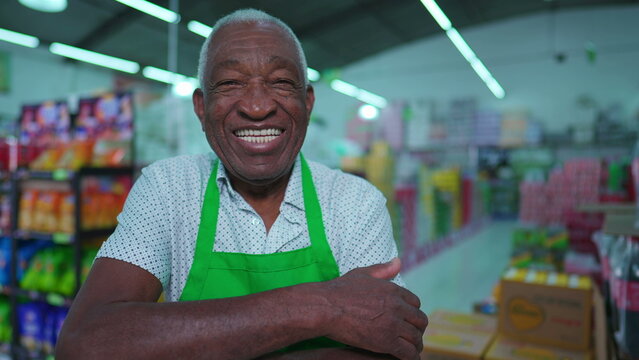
x=438 y=14
x=51 y=6
x=19 y=38
x=360 y=94
x=312 y=74
x=199 y=28
x=368 y=112
x=161 y=75
x=153 y=10
x=184 y=87
x=481 y=70
x=461 y=44
x=344 y=88
x=463 y=48
x=370 y=98
x=496 y=89
x=94 y=58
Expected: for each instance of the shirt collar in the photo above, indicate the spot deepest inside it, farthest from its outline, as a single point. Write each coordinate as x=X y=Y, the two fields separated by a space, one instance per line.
x=293 y=195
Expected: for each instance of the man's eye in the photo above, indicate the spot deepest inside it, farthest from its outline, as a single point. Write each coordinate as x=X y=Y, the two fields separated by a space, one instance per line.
x=285 y=84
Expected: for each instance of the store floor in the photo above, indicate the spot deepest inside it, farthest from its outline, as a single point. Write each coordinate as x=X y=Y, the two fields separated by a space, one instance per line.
x=465 y=273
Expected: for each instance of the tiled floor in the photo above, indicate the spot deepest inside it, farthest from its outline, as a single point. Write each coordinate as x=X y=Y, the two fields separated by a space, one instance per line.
x=465 y=273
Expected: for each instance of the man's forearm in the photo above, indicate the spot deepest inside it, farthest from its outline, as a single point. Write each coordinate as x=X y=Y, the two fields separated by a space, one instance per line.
x=347 y=353
x=235 y=328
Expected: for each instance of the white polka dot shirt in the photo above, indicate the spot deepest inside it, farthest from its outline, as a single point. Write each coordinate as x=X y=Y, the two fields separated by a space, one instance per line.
x=157 y=229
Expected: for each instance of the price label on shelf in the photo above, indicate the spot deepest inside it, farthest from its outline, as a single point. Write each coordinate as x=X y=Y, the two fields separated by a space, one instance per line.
x=55 y=299
x=61 y=238
x=60 y=174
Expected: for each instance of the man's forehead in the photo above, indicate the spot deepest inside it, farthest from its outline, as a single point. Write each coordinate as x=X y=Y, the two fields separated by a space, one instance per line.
x=233 y=43
x=231 y=34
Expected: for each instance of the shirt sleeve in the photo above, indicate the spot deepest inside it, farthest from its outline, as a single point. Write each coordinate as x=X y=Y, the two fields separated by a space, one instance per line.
x=141 y=237
x=369 y=231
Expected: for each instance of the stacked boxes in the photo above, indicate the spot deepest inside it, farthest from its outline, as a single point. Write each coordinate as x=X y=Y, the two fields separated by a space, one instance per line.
x=453 y=336
x=547 y=308
x=548 y=203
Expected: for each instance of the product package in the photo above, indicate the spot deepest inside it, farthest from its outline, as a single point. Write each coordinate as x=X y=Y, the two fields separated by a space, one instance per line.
x=546 y=308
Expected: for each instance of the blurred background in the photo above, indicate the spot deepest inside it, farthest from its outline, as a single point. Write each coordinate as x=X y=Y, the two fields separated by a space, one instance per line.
x=502 y=134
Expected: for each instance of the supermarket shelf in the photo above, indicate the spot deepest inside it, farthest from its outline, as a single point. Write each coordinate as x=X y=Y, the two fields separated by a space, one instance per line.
x=62 y=238
x=50 y=298
x=66 y=175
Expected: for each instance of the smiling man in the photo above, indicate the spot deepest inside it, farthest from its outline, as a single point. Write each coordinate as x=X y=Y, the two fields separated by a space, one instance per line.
x=260 y=253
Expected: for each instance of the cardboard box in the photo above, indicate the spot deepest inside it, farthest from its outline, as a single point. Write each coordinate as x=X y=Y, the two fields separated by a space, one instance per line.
x=504 y=348
x=546 y=308
x=446 y=344
x=442 y=319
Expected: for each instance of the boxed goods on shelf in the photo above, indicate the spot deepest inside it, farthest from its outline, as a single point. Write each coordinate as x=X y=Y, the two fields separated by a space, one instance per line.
x=454 y=336
x=546 y=308
x=504 y=348
x=539 y=248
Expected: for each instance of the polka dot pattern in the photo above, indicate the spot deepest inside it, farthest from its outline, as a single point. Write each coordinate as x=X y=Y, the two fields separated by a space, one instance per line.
x=158 y=226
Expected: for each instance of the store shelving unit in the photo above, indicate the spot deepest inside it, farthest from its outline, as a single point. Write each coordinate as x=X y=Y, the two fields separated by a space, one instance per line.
x=75 y=240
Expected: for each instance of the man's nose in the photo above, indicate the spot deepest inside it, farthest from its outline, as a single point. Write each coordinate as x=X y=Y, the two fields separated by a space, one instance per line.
x=257 y=102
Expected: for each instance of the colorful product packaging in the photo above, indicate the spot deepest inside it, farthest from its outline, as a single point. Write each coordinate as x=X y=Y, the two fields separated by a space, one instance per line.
x=504 y=348
x=546 y=308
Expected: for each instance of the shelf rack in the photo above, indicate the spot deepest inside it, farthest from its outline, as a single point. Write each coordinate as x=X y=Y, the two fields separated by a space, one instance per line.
x=13 y=290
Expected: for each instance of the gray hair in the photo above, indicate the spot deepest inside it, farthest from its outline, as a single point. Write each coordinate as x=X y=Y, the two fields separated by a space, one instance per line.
x=244 y=16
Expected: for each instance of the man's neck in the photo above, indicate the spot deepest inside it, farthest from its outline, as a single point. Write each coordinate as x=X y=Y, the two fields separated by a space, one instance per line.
x=265 y=199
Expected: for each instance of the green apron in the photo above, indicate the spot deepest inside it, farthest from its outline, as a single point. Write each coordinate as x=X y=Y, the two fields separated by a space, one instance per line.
x=216 y=275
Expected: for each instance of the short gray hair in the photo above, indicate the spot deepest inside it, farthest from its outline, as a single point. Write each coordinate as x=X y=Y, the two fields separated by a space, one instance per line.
x=244 y=16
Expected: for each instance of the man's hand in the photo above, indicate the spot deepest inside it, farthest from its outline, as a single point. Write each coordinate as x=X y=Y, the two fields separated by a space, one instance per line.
x=374 y=314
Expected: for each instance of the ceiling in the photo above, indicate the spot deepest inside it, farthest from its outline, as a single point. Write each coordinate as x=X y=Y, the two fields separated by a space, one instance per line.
x=334 y=33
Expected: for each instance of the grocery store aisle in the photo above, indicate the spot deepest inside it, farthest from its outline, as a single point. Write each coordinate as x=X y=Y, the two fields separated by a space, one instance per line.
x=464 y=274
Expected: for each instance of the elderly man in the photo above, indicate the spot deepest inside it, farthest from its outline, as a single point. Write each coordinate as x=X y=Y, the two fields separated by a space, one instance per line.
x=259 y=252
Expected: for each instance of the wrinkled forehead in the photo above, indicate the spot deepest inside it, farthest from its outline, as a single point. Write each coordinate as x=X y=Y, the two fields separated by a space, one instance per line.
x=240 y=40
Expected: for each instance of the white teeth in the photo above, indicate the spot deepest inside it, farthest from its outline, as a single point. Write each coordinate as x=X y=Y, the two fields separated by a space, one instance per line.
x=258 y=136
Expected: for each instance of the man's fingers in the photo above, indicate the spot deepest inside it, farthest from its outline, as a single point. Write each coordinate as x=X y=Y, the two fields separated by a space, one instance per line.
x=385 y=271
x=411 y=298
x=414 y=317
x=405 y=350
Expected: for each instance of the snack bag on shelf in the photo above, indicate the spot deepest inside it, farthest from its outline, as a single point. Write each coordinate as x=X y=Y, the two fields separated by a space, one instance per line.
x=27 y=207
x=66 y=223
x=26 y=254
x=48 y=330
x=77 y=155
x=5 y=321
x=48 y=159
x=5 y=261
x=31 y=278
x=65 y=272
x=111 y=153
x=31 y=319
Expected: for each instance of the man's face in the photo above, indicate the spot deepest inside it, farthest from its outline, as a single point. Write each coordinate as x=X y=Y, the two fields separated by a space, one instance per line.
x=255 y=106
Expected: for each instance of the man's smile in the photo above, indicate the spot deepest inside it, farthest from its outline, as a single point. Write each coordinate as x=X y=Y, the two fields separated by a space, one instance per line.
x=258 y=136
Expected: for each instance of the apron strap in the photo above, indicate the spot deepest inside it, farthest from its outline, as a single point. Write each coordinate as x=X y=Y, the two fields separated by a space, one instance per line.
x=205 y=238
x=315 y=224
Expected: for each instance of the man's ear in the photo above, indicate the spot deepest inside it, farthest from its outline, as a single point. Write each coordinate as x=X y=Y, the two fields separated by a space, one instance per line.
x=198 y=106
x=310 y=99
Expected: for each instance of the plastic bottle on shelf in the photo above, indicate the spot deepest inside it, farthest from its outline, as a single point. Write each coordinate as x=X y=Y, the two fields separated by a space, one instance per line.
x=604 y=244
x=617 y=270
x=627 y=336
x=635 y=179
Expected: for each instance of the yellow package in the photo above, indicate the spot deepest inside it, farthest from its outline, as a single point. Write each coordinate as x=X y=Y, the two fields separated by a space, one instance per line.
x=27 y=207
x=67 y=219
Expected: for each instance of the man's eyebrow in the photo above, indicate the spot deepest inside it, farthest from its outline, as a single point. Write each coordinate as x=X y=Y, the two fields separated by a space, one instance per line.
x=228 y=63
x=280 y=59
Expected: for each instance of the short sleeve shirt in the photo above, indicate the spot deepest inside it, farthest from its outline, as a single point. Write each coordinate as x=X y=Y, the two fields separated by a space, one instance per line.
x=157 y=229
